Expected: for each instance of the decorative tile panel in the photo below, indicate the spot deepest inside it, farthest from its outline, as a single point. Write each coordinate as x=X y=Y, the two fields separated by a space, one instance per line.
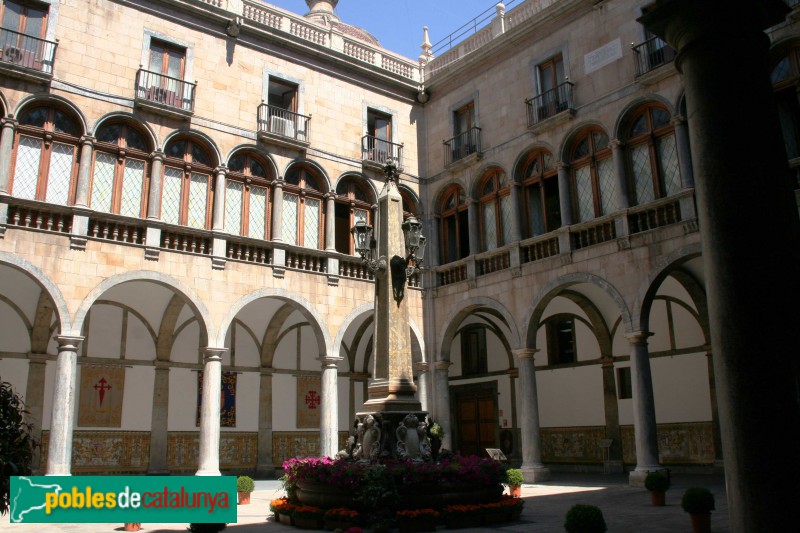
x=572 y=445
x=58 y=180
x=291 y=444
x=687 y=443
x=103 y=182
x=106 y=451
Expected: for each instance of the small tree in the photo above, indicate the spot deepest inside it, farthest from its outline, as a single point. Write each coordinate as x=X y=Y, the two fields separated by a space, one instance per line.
x=17 y=443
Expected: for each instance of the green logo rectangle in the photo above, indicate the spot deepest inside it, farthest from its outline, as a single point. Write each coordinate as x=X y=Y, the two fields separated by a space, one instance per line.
x=101 y=499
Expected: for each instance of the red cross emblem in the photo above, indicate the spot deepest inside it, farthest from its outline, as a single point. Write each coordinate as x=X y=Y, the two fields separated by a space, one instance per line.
x=313 y=399
x=101 y=387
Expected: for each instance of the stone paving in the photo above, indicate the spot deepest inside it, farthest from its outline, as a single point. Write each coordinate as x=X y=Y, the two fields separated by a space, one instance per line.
x=626 y=509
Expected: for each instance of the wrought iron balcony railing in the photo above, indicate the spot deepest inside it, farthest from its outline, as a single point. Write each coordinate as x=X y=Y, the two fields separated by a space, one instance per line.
x=165 y=91
x=462 y=145
x=380 y=152
x=550 y=103
x=651 y=54
x=280 y=122
x=25 y=51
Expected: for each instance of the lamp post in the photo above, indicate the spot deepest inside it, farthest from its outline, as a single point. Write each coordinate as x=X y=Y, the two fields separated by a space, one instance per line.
x=393 y=254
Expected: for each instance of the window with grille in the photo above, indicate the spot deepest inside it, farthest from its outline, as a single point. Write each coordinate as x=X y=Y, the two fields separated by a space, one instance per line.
x=542 y=207
x=303 y=214
x=246 y=194
x=496 y=210
x=653 y=155
x=454 y=226
x=186 y=188
x=119 y=173
x=353 y=204
x=594 y=183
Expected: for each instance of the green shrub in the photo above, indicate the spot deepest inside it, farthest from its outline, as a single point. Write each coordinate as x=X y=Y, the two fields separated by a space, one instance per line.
x=17 y=443
x=514 y=477
x=697 y=500
x=245 y=484
x=582 y=518
x=656 y=482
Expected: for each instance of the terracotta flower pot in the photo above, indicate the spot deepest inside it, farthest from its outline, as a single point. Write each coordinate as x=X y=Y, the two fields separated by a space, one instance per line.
x=132 y=526
x=658 y=498
x=515 y=490
x=701 y=522
x=244 y=498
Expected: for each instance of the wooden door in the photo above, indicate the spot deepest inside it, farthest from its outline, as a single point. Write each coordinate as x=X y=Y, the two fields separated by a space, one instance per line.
x=477 y=421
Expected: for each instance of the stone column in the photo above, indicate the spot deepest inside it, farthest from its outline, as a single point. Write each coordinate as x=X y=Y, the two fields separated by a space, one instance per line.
x=751 y=267
x=277 y=211
x=623 y=197
x=644 y=410
x=156 y=180
x=265 y=468
x=34 y=401
x=442 y=392
x=329 y=407
x=6 y=145
x=330 y=222
x=432 y=252
x=532 y=468
x=517 y=213
x=473 y=217
x=210 y=412
x=422 y=384
x=715 y=429
x=612 y=455
x=564 y=198
x=684 y=154
x=62 y=419
x=159 y=424
x=84 y=171
x=218 y=216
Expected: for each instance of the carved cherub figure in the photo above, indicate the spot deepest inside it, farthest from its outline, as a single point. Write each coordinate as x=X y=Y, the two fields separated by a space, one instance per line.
x=412 y=441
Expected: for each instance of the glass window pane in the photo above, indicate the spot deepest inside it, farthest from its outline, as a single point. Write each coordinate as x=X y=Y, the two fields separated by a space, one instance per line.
x=12 y=14
x=311 y=228
x=290 y=205
x=583 y=185
x=103 y=182
x=34 y=22
x=58 y=180
x=642 y=173
x=535 y=211
x=233 y=207
x=171 y=196
x=668 y=159
x=608 y=186
x=132 y=182
x=489 y=226
x=65 y=124
x=198 y=200
x=258 y=213
x=507 y=213
x=26 y=172
x=135 y=140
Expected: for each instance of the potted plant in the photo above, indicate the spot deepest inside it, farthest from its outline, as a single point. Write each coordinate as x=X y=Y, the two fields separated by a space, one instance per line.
x=657 y=483
x=435 y=434
x=582 y=518
x=461 y=516
x=340 y=518
x=308 y=517
x=244 y=486
x=132 y=526
x=413 y=520
x=513 y=506
x=699 y=502
x=514 y=480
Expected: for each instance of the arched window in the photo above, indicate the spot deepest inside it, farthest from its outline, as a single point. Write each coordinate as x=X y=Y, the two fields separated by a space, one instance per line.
x=785 y=77
x=496 y=211
x=539 y=179
x=186 y=193
x=454 y=225
x=246 y=194
x=409 y=203
x=352 y=205
x=594 y=184
x=45 y=164
x=120 y=167
x=653 y=155
x=303 y=218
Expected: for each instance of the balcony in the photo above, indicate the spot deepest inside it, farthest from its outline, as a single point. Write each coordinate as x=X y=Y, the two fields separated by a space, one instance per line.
x=550 y=104
x=462 y=146
x=26 y=57
x=163 y=94
x=650 y=55
x=377 y=152
x=282 y=127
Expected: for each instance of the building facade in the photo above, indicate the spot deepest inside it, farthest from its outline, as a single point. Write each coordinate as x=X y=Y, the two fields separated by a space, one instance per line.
x=178 y=180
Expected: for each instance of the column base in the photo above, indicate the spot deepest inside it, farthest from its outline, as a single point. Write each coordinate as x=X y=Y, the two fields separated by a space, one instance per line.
x=613 y=467
x=535 y=474
x=158 y=472
x=636 y=477
x=208 y=473
x=265 y=472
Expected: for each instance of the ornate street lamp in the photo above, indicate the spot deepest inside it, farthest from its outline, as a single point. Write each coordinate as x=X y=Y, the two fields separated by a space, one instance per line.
x=415 y=244
x=365 y=246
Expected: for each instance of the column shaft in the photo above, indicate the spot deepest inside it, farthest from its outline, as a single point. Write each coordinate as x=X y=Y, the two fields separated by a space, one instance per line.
x=517 y=213
x=442 y=393
x=623 y=197
x=59 y=452
x=329 y=407
x=532 y=467
x=473 y=217
x=159 y=423
x=84 y=172
x=265 y=467
x=218 y=216
x=330 y=222
x=156 y=179
x=6 y=145
x=644 y=411
x=277 y=212
x=210 y=412
x=564 y=198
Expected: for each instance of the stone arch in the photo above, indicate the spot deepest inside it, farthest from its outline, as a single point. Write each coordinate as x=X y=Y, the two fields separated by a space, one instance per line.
x=413 y=196
x=190 y=297
x=189 y=132
x=4 y=107
x=47 y=285
x=58 y=101
x=569 y=138
x=555 y=288
x=358 y=176
x=457 y=316
x=326 y=181
x=523 y=156
x=444 y=188
x=301 y=304
x=640 y=312
x=623 y=119
x=473 y=192
x=268 y=158
x=127 y=117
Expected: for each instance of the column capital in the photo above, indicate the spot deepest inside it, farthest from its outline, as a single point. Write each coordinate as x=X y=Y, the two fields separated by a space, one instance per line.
x=328 y=361
x=161 y=365
x=158 y=155
x=212 y=354
x=9 y=122
x=88 y=139
x=330 y=196
x=279 y=183
x=267 y=371
x=562 y=165
x=616 y=144
x=677 y=120
x=638 y=337
x=442 y=365
x=525 y=353
x=421 y=366
x=67 y=342
x=222 y=169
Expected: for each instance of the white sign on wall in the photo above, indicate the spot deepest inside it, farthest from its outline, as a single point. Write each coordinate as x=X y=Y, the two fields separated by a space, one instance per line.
x=600 y=57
